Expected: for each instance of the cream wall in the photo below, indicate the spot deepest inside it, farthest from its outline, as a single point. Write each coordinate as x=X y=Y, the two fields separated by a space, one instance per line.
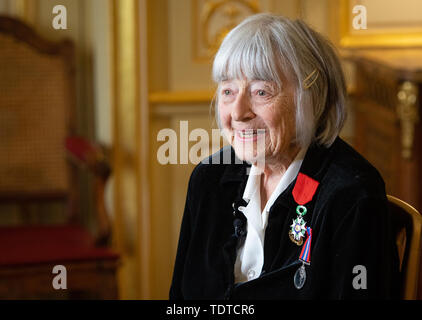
x=101 y=42
x=184 y=73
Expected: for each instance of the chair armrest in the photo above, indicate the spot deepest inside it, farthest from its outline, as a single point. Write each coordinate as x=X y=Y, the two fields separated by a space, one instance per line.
x=93 y=157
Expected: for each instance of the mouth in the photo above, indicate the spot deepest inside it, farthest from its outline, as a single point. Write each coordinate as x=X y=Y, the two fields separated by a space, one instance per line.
x=248 y=134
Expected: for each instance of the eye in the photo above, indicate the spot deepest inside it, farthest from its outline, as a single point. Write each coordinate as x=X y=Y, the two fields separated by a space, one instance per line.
x=226 y=92
x=261 y=93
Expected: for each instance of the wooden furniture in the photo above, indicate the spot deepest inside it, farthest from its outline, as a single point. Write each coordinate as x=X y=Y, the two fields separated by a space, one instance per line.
x=37 y=127
x=408 y=224
x=386 y=99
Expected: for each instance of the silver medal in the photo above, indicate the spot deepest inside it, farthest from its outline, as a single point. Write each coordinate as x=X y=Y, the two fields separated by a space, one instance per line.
x=300 y=277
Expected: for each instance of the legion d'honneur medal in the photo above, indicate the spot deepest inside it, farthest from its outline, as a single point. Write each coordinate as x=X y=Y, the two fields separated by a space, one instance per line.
x=303 y=192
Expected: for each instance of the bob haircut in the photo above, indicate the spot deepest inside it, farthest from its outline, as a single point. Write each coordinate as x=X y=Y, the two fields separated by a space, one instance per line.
x=265 y=45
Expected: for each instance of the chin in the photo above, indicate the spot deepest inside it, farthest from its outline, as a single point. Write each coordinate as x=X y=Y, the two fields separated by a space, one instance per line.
x=249 y=154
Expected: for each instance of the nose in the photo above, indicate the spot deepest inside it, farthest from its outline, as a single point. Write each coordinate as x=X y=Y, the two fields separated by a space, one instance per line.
x=241 y=110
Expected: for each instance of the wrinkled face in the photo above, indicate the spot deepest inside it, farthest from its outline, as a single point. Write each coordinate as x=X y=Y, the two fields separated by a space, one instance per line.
x=245 y=106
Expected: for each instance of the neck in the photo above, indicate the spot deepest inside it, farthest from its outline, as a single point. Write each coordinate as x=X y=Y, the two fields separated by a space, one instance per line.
x=272 y=172
x=277 y=167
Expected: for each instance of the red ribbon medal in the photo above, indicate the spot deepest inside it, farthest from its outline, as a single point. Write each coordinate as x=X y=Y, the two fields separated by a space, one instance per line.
x=304 y=189
x=303 y=192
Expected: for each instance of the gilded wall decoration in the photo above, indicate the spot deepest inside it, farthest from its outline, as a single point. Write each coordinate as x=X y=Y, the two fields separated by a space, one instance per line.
x=213 y=19
x=389 y=23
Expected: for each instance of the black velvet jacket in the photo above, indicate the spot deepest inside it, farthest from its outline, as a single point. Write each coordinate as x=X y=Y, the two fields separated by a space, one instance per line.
x=349 y=217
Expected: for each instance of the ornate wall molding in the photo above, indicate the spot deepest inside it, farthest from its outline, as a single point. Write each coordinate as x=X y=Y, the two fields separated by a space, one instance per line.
x=213 y=19
x=407 y=112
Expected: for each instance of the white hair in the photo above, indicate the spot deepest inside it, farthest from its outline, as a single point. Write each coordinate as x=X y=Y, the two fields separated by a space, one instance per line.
x=265 y=45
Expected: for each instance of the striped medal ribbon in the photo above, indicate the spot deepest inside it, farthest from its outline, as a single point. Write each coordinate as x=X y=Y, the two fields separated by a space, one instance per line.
x=305 y=257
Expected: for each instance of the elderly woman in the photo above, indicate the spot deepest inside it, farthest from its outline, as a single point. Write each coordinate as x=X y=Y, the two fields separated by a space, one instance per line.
x=303 y=216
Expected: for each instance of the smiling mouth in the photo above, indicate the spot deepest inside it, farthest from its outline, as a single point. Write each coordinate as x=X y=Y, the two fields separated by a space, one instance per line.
x=248 y=134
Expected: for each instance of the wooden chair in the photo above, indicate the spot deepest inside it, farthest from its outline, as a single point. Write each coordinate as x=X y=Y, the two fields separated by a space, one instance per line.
x=37 y=128
x=408 y=224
